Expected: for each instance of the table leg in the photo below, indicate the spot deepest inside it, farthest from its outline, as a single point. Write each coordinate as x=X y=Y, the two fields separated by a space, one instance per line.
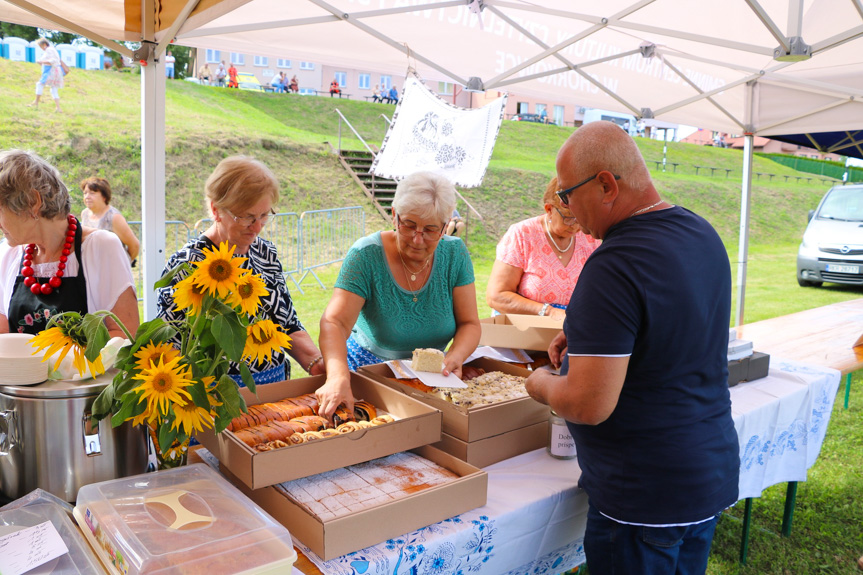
x=847 y=389
x=747 y=521
x=790 y=500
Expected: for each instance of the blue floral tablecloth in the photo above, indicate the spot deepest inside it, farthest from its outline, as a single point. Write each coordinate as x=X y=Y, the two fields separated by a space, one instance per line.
x=781 y=421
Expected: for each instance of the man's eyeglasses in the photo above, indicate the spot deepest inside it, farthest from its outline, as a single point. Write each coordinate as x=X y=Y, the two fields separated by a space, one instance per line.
x=567 y=220
x=247 y=221
x=564 y=194
x=410 y=230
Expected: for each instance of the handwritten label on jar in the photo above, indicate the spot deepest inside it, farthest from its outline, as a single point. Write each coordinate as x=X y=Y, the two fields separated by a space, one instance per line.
x=560 y=443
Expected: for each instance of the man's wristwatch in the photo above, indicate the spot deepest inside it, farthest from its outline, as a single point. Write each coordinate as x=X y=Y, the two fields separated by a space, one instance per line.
x=544 y=309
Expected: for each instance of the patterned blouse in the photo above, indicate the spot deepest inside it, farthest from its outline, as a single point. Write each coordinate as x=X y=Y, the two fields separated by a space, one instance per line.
x=545 y=279
x=262 y=260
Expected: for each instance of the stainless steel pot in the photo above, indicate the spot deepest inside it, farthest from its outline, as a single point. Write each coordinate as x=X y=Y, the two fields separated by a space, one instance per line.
x=49 y=440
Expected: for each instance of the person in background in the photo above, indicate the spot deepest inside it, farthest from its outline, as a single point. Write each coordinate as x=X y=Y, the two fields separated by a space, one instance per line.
x=393 y=96
x=295 y=84
x=539 y=261
x=543 y=116
x=412 y=287
x=101 y=215
x=335 y=88
x=455 y=224
x=204 y=74
x=169 y=65
x=52 y=74
x=645 y=392
x=232 y=77
x=376 y=94
x=280 y=83
x=221 y=74
x=49 y=263
x=240 y=194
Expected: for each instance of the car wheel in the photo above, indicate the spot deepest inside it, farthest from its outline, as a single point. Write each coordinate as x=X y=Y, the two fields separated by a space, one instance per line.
x=807 y=283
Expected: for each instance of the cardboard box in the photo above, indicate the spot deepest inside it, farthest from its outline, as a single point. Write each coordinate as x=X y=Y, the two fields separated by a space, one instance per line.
x=416 y=424
x=479 y=422
x=519 y=331
x=493 y=449
x=749 y=368
x=336 y=537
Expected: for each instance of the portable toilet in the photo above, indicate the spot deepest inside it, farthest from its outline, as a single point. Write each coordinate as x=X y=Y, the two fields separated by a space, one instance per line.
x=34 y=52
x=90 y=57
x=15 y=49
x=69 y=54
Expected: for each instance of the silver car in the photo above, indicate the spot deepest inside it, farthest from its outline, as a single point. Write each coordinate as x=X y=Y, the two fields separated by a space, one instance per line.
x=832 y=247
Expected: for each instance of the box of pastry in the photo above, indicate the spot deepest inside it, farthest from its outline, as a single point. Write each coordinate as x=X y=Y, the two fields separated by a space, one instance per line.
x=493 y=403
x=519 y=331
x=187 y=520
x=282 y=438
x=348 y=509
x=484 y=452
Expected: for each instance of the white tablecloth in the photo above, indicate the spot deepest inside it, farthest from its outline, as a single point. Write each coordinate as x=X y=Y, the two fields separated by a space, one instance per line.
x=781 y=421
x=535 y=517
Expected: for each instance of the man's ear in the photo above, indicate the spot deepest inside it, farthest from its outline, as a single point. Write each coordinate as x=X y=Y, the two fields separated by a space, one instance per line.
x=610 y=190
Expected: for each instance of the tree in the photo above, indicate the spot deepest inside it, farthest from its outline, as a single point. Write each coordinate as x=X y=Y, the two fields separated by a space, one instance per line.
x=28 y=33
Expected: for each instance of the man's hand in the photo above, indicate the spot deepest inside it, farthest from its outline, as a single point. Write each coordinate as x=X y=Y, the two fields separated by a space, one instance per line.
x=557 y=349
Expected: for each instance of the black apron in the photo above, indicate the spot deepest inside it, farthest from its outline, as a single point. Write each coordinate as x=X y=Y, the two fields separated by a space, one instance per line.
x=28 y=312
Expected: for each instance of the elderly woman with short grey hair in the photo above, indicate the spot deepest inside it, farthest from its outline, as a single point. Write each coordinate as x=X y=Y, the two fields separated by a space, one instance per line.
x=412 y=287
x=49 y=263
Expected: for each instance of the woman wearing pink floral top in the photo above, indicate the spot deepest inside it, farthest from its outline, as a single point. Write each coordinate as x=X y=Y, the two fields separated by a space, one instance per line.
x=539 y=261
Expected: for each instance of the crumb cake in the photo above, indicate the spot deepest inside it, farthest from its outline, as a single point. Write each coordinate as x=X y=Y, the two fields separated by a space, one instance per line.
x=427 y=359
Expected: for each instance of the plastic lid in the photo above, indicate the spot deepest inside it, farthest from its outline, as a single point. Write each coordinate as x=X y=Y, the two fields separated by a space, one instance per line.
x=61 y=388
x=187 y=520
x=79 y=559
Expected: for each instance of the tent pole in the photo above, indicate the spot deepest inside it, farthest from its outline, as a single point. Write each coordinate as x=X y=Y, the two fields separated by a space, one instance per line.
x=743 y=251
x=152 y=169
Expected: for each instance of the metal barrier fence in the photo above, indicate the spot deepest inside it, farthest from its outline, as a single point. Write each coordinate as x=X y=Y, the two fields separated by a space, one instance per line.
x=303 y=241
x=326 y=237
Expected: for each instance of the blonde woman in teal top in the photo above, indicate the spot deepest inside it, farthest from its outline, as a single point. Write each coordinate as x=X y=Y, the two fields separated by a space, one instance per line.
x=400 y=290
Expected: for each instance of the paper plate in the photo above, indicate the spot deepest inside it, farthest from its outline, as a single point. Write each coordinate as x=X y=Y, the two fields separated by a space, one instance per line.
x=18 y=364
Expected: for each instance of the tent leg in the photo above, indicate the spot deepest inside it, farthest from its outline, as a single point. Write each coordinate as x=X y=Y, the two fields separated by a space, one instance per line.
x=743 y=250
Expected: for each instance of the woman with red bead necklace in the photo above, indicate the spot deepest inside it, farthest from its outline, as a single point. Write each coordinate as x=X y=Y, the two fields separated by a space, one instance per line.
x=48 y=262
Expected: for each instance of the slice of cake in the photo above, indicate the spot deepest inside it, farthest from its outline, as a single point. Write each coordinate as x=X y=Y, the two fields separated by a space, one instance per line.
x=427 y=359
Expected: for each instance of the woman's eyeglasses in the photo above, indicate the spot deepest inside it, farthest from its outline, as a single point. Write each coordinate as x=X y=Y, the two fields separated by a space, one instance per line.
x=410 y=230
x=247 y=221
x=567 y=220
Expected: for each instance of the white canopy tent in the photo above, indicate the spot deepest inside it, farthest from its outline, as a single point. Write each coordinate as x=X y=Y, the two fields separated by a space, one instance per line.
x=758 y=67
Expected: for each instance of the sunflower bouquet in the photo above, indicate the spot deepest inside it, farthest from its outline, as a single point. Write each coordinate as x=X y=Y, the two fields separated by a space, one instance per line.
x=173 y=375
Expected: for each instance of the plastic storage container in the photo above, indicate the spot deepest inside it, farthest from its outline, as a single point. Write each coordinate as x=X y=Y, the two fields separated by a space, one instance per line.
x=186 y=521
x=78 y=561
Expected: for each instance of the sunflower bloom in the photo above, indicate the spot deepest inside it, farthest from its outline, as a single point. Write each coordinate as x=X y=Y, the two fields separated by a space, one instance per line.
x=250 y=289
x=153 y=352
x=219 y=271
x=60 y=339
x=188 y=294
x=263 y=338
x=164 y=383
x=191 y=417
x=147 y=416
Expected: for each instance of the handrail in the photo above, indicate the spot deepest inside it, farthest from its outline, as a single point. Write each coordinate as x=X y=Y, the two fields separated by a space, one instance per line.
x=389 y=122
x=468 y=205
x=360 y=138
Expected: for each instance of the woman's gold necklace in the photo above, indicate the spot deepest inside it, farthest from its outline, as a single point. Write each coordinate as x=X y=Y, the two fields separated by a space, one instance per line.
x=561 y=251
x=412 y=276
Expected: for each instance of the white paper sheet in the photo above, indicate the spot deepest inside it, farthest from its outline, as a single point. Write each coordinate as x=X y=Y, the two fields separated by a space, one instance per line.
x=501 y=354
x=24 y=550
x=402 y=370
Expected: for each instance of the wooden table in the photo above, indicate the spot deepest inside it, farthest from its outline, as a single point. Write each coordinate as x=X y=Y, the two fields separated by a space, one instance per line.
x=823 y=336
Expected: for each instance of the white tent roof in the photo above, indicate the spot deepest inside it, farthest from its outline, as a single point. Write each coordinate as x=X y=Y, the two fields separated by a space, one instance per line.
x=706 y=63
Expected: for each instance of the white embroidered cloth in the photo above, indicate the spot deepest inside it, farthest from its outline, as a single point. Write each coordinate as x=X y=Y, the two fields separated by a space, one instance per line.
x=429 y=134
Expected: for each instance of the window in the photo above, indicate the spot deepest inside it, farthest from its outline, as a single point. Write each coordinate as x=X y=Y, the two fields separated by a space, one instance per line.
x=540 y=108
x=558 y=115
x=238 y=59
x=342 y=78
x=445 y=88
x=262 y=61
x=386 y=82
x=307 y=65
x=307 y=91
x=365 y=81
x=522 y=108
x=284 y=63
x=212 y=56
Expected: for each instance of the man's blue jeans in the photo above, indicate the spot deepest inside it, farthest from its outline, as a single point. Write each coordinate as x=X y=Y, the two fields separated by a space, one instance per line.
x=614 y=548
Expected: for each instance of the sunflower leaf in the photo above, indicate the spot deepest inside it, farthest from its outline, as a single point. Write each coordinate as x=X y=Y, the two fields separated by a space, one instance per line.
x=166 y=437
x=233 y=402
x=247 y=377
x=126 y=411
x=199 y=394
x=96 y=334
x=166 y=279
x=103 y=403
x=155 y=330
x=230 y=334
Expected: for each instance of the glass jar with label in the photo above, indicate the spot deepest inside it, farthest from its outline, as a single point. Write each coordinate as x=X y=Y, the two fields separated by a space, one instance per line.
x=561 y=445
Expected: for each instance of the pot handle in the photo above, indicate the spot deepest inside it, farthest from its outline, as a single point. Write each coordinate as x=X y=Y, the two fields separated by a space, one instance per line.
x=92 y=444
x=8 y=431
